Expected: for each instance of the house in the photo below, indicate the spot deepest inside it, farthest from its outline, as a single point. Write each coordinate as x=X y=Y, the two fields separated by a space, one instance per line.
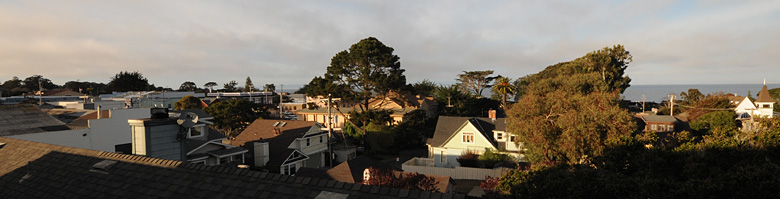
x=183 y=138
x=38 y=170
x=356 y=171
x=25 y=119
x=455 y=136
x=284 y=146
x=764 y=104
x=659 y=123
x=744 y=108
x=399 y=104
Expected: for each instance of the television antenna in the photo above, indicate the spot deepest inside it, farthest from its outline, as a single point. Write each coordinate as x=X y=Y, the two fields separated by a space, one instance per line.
x=186 y=121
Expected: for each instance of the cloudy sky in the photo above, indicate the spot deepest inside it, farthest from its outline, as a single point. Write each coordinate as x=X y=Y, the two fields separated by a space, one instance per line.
x=289 y=42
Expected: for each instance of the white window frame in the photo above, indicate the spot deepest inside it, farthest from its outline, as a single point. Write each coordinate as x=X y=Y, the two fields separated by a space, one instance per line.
x=443 y=156
x=465 y=135
x=499 y=136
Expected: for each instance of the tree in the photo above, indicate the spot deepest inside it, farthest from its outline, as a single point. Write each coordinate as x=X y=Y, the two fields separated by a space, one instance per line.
x=248 y=86
x=504 y=87
x=269 y=88
x=188 y=102
x=713 y=120
x=13 y=84
x=424 y=88
x=571 y=115
x=395 y=179
x=128 y=81
x=456 y=103
x=230 y=86
x=691 y=97
x=210 y=85
x=36 y=82
x=91 y=88
x=367 y=68
x=188 y=86
x=232 y=116
x=475 y=82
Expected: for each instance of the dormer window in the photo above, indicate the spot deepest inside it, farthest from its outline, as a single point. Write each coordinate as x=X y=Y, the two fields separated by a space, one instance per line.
x=468 y=137
x=197 y=131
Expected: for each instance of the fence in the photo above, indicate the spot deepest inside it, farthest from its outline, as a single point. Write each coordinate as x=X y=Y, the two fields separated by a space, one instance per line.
x=425 y=166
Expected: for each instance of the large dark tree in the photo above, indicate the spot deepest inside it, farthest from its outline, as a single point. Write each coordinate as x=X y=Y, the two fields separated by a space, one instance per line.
x=232 y=116
x=230 y=86
x=128 y=81
x=188 y=86
x=91 y=88
x=367 y=68
x=210 y=85
x=32 y=83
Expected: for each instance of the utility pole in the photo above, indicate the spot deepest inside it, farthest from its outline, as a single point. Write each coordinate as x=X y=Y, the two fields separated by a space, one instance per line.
x=281 y=112
x=40 y=91
x=643 y=103
x=671 y=102
x=330 y=131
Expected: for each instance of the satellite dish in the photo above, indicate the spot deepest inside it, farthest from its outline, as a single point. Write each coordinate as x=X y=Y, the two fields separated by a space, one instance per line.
x=191 y=116
x=187 y=120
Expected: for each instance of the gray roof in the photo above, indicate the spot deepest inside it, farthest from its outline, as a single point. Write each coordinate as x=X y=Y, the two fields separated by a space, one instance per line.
x=447 y=125
x=658 y=118
x=25 y=119
x=200 y=113
x=37 y=170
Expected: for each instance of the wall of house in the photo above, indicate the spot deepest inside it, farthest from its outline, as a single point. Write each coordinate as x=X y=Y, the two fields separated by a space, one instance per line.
x=450 y=155
x=764 y=112
x=109 y=132
x=316 y=160
x=162 y=142
x=479 y=144
x=79 y=138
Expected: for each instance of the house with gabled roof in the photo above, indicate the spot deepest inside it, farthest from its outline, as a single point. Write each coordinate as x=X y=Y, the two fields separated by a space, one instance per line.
x=38 y=170
x=455 y=136
x=764 y=103
x=284 y=146
x=356 y=171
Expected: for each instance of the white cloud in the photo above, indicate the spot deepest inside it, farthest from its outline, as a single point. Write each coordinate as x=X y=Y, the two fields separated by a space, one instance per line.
x=171 y=42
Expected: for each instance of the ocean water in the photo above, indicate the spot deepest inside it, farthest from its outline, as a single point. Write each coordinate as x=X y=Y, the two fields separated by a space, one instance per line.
x=657 y=93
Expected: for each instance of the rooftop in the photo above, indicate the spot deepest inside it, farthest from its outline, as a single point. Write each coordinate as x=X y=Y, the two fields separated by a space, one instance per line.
x=37 y=170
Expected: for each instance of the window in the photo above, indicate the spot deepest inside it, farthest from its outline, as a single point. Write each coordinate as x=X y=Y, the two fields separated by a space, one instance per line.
x=468 y=137
x=512 y=138
x=196 y=131
x=654 y=127
x=442 y=157
x=669 y=128
x=289 y=169
x=321 y=138
x=308 y=142
x=499 y=136
x=766 y=106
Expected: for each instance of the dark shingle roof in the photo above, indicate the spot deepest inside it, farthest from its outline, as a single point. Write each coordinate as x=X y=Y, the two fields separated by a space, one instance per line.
x=37 y=170
x=447 y=125
x=277 y=144
x=25 y=119
x=658 y=118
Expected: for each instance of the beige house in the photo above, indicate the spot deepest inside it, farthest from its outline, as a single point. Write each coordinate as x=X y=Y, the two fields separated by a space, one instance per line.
x=400 y=104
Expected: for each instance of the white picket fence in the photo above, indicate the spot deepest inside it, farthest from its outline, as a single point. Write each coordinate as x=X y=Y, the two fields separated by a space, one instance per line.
x=425 y=166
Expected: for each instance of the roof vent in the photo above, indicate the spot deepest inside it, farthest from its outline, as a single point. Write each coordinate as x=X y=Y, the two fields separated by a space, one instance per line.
x=331 y=195
x=103 y=166
x=282 y=124
x=159 y=113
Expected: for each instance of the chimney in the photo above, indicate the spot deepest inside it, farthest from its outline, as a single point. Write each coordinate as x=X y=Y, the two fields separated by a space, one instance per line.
x=99 y=112
x=492 y=115
x=158 y=137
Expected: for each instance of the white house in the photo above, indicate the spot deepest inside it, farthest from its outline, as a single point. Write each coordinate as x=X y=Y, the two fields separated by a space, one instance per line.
x=455 y=136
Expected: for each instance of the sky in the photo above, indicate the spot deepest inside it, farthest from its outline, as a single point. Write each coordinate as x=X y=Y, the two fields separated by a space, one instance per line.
x=290 y=42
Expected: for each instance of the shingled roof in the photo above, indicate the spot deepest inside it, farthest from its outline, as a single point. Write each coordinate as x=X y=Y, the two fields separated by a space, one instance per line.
x=37 y=170
x=764 y=96
x=25 y=118
x=277 y=144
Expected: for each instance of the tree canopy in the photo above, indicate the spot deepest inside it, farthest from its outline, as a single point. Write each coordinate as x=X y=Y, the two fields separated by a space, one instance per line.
x=32 y=82
x=188 y=102
x=355 y=75
x=230 y=86
x=248 y=85
x=128 y=81
x=504 y=87
x=570 y=112
x=188 y=86
x=210 y=85
x=232 y=116
x=475 y=82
